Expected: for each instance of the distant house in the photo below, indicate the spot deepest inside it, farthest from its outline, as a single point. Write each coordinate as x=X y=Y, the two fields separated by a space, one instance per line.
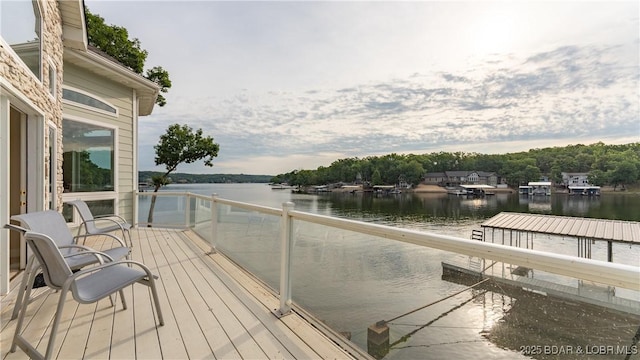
x=435 y=178
x=456 y=178
x=575 y=179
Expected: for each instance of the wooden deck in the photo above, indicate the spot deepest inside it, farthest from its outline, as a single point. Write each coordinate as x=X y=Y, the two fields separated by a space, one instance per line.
x=212 y=309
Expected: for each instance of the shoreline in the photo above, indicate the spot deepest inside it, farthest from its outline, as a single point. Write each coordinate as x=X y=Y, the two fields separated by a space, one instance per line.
x=435 y=189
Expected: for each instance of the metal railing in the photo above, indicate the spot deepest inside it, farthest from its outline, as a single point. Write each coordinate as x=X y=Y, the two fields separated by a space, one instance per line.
x=193 y=205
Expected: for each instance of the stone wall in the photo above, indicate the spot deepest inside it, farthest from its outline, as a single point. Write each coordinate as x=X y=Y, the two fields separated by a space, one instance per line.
x=20 y=77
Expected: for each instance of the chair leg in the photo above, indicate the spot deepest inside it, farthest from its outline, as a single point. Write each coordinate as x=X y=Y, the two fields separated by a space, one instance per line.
x=84 y=238
x=127 y=234
x=56 y=322
x=27 y=281
x=22 y=309
x=18 y=340
x=113 y=303
x=154 y=292
x=124 y=302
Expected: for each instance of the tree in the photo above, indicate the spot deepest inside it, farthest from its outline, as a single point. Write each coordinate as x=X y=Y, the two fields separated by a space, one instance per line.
x=376 y=178
x=625 y=172
x=180 y=144
x=114 y=41
x=597 y=177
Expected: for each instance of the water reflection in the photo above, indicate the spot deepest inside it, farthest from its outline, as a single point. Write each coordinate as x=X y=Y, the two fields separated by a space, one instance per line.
x=438 y=206
x=544 y=327
x=536 y=204
x=427 y=206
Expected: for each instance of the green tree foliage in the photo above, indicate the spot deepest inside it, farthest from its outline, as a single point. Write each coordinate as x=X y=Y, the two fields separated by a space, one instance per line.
x=180 y=144
x=161 y=77
x=616 y=165
x=114 y=41
x=521 y=170
x=376 y=179
x=625 y=172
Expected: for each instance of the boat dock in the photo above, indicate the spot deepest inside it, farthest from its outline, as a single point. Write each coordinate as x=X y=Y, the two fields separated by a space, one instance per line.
x=515 y=228
x=518 y=229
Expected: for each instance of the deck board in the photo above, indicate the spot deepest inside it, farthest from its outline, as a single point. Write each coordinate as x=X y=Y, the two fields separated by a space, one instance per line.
x=211 y=308
x=170 y=343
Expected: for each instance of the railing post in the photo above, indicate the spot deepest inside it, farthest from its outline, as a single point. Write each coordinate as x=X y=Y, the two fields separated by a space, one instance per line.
x=214 y=223
x=136 y=204
x=187 y=210
x=285 y=260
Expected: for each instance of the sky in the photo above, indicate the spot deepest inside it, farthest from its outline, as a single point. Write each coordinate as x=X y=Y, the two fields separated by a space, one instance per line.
x=285 y=86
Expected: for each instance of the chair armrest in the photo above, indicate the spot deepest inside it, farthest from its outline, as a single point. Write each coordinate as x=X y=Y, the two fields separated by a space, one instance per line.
x=106 y=265
x=87 y=250
x=111 y=215
x=95 y=221
x=15 y=228
x=120 y=241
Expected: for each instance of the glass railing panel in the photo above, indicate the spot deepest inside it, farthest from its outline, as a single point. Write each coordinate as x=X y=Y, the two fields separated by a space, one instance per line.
x=252 y=240
x=168 y=210
x=201 y=217
x=351 y=281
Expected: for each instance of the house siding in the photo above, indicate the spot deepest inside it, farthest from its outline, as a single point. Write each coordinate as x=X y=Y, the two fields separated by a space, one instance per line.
x=120 y=97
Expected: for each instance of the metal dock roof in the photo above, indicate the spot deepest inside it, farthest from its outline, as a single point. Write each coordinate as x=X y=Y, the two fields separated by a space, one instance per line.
x=599 y=229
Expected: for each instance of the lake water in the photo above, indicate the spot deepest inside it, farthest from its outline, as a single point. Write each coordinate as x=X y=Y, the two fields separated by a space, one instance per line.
x=351 y=282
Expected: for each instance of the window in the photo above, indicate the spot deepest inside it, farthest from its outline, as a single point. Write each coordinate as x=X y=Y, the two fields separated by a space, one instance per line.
x=88 y=159
x=52 y=79
x=20 y=26
x=86 y=100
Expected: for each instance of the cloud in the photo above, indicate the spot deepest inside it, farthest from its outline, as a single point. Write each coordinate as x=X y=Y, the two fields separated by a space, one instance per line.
x=571 y=92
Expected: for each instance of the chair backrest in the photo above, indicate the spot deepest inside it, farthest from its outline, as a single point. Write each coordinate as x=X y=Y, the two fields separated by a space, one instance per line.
x=54 y=268
x=85 y=214
x=50 y=223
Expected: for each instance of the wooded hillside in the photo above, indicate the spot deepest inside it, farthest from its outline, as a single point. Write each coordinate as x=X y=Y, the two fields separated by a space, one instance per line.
x=615 y=165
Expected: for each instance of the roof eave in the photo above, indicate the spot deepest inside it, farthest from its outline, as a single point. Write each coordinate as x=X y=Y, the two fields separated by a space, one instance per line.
x=74 y=29
x=147 y=91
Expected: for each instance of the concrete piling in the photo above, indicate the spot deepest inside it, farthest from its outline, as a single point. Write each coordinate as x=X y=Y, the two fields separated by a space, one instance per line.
x=378 y=340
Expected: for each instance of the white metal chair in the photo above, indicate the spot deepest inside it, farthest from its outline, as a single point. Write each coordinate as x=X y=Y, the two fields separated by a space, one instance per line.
x=52 y=223
x=87 y=286
x=100 y=224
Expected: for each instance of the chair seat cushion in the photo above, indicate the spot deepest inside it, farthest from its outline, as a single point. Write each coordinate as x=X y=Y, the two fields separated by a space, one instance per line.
x=79 y=261
x=105 y=282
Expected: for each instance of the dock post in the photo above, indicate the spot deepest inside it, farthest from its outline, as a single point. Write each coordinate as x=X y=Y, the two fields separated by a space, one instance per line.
x=378 y=339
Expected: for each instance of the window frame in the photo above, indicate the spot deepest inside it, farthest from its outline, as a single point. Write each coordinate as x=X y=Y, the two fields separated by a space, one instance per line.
x=106 y=193
x=89 y=107
x=53 y=78
x=38 y=77
x=53 y=165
